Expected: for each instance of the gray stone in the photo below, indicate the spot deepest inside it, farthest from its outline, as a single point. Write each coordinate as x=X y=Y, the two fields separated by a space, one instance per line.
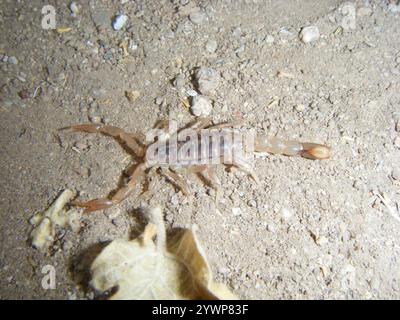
x=211 y=46
x=12 y=60
x=207 y=80
x=197 y=17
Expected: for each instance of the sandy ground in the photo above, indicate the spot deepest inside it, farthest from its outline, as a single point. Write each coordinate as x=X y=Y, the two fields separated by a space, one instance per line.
x=312 y=230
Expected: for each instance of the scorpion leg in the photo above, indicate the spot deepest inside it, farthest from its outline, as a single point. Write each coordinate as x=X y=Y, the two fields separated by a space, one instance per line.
x=199 y=124
x=103 y=203
x=241 y=164
x=177 y=180
x=129 y=139
x=214 y=183
x=229 y=124
x=208 y=174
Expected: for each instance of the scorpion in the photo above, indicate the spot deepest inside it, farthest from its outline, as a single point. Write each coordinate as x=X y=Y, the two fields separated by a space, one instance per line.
x=204 y=154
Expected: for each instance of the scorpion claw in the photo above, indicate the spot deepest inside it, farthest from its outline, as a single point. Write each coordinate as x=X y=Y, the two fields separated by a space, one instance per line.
x=93 y=205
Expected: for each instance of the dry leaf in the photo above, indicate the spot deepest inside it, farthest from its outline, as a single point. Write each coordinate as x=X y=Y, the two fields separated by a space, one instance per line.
x=147 y=269
x=46 y=222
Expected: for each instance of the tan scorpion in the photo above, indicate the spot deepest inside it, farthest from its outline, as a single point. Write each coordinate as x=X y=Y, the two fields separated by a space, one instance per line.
x=196 y=155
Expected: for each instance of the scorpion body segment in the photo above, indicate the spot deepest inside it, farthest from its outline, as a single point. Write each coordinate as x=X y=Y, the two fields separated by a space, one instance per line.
x=194 y=149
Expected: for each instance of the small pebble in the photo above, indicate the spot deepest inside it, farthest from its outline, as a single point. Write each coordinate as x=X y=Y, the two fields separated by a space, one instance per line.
x=179 y=81
x=12 y=60
x=285 y=34
x=132 y=95
x=85 y=173
x=236 y=212
x=95 y=119
x=81 y=146
x=286 y=214
x=119 y=21
x=159 y=100
x=236 y=32
x=108 y=55
x=74 y=8
x=309 y=34
x=252 y=203
x=211 y=46
x=201 y=106
x=192 y=93
x=197 y=17
x=269 y=39
x=207 y=80
x=364 y=11
x=175 y=200
x=394 y=8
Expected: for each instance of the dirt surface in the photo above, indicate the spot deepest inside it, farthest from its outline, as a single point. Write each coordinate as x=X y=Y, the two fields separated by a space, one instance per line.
x=312 y=230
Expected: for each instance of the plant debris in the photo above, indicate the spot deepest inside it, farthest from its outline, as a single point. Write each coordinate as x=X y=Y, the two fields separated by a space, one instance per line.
x=45 y=223
x=146 y=269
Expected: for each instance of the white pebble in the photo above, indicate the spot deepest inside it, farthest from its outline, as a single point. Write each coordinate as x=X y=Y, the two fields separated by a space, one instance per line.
x=119 y=21
x=364 y=11
x=207 y=80
x=236 y=212
x=394 y=8
x=197 y=17
x=191 y=93
x=269 y=39
x=309 y=34
x=286 y=214
x=211 y=46
x=74 y=8
x=201 y=106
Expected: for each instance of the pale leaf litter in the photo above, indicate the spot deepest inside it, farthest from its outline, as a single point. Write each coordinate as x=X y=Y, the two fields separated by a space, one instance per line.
x=140 y=268
x=144 y=269
x=45 y=223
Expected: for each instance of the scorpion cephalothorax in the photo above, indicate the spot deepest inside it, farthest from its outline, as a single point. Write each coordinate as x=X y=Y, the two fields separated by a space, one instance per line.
x=195 y=148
